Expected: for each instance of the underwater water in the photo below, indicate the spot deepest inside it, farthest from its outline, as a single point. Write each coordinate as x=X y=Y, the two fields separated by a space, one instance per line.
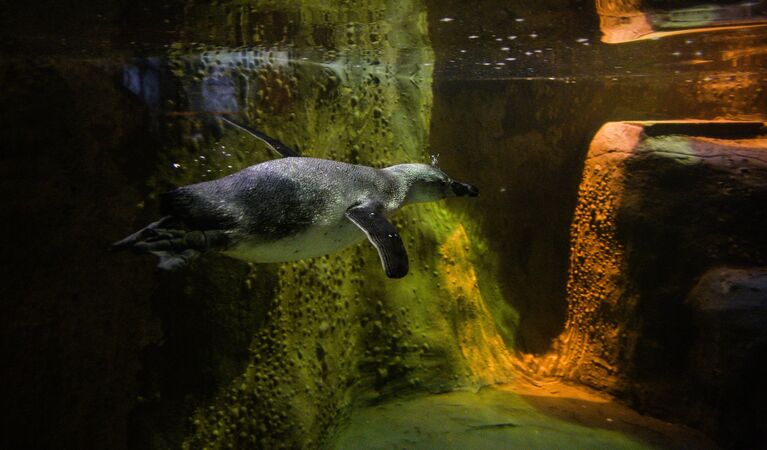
x=606 y=289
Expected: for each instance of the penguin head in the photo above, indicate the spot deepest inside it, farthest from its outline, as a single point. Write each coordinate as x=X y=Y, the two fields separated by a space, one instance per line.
x=427 y=183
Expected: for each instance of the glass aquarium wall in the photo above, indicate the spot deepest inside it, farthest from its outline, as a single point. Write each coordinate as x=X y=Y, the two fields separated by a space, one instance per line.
x=607 y=281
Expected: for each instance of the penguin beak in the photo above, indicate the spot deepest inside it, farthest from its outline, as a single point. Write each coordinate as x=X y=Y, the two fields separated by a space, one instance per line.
x=461 y=189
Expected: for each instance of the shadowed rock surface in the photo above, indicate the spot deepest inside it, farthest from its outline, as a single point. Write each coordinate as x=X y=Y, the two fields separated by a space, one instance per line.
x=730 y=344
x=656 y=210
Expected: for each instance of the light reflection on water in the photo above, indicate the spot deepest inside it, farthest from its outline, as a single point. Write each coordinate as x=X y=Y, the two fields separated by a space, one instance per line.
x=540 y=55
x=198 y=82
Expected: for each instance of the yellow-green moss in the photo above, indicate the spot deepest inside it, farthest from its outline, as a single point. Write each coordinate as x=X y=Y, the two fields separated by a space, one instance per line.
x=337 y=330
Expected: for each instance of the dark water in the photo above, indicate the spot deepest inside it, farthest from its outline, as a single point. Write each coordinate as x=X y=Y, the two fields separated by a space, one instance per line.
x=107 y=105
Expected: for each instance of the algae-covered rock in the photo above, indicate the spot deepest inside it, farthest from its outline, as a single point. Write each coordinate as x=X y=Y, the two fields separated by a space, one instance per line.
x=335 y=330
x=543 y=416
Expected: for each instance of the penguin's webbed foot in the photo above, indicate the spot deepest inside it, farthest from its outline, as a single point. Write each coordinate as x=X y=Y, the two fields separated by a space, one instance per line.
x=173 y=261
x=147 y=232
x=181 y=240
x=175 y=248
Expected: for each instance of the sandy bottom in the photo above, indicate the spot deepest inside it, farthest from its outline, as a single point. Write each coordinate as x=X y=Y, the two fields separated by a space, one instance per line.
x=551 y=416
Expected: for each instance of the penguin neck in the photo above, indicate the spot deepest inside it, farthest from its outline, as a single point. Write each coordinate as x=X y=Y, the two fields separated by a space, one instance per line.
x=402 y=181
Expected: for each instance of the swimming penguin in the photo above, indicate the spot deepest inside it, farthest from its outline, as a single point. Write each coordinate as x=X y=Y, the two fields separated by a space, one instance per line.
x=289 y=209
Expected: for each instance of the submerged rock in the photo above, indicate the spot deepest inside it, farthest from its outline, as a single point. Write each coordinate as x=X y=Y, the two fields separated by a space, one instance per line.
x=660 y=204
x=523 y=416
x=730 y=350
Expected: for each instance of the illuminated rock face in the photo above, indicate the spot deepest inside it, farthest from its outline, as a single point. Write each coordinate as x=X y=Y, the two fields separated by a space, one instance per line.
x=659 y=205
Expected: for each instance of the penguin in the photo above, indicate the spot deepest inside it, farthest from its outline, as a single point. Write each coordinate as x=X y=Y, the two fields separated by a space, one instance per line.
x=291 y=208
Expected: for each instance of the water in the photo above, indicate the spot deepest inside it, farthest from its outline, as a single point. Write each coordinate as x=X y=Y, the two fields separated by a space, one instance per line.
x=106 y=106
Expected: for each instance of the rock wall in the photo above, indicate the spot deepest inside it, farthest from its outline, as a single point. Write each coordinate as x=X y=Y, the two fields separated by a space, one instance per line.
x=729 y=343
x=353 y=87
x=105 y=351
x=659 y=205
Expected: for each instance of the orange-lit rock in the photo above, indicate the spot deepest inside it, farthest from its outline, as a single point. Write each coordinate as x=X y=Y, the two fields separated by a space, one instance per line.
x=660 y=203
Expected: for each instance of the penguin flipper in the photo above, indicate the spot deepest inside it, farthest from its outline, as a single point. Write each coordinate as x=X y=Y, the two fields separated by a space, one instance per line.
x=384 y=237
x=275 y=144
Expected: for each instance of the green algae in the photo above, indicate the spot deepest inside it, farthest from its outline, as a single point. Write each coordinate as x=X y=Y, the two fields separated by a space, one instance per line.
x=335 y=330
x=488 y=419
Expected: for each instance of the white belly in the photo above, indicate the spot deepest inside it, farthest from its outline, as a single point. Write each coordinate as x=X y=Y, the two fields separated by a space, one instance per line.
x=316 y=241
